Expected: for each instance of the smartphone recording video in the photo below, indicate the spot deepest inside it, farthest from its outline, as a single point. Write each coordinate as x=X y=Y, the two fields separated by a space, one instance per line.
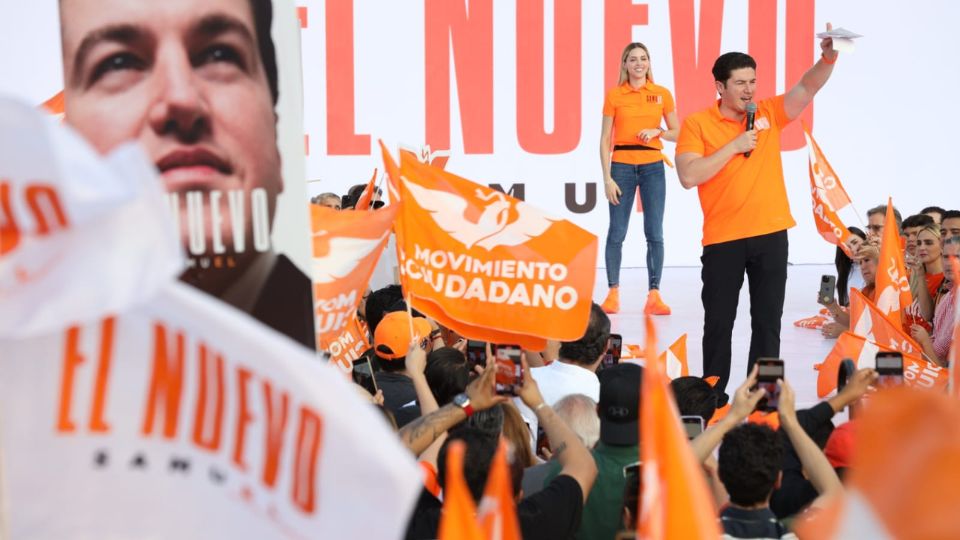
x=693 y=425
x=889 y=369
x=770 y=370
x=828 y=289
x=509 y=377
x=612 y=356
x=476 y=353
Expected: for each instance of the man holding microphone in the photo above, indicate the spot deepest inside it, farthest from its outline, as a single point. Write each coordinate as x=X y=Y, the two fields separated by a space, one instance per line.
x=739 y=176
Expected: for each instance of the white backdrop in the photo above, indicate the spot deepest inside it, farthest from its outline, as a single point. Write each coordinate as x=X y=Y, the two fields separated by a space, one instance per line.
x=864 y=118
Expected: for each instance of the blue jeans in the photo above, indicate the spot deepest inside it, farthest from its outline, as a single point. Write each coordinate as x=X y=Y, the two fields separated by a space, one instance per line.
x=651 y=179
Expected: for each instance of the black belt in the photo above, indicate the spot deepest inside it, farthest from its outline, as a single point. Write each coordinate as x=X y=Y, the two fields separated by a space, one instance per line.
x=633 y=147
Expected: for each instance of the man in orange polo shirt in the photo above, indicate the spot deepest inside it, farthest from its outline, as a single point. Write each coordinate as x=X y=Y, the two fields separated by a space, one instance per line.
x=744 y=200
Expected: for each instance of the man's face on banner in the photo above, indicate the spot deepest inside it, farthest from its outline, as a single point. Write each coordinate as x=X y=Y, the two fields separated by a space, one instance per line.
x=184 y=78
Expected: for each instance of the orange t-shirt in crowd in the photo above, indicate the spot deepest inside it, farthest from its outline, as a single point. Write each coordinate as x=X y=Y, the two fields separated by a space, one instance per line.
x=748 y=196
x=632 y=112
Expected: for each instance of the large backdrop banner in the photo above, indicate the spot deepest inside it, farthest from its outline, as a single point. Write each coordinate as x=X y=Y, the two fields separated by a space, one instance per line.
x=514 y=89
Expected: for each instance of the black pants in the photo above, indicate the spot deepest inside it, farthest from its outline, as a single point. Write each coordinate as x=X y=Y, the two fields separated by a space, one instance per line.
x=764 y=259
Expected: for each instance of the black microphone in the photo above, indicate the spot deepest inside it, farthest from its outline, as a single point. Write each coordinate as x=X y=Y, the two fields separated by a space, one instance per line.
x=751 y=112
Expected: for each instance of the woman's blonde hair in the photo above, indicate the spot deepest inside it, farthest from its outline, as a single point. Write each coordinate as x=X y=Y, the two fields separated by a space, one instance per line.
x=623 y=60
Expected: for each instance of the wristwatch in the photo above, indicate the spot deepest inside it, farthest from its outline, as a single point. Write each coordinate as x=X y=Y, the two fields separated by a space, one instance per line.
x=461 y=400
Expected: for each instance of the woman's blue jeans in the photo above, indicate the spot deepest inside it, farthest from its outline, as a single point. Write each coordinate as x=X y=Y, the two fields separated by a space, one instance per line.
x=651 y=180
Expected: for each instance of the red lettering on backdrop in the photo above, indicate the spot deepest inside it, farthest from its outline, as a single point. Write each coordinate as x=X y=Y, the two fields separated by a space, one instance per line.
x=566 y=77
x=166 y=383
x=273 y=431
x=243 y=417
x=309 y=439
x=800 y=56
x=209 y=439
x=619 y=18
x=342 y=138
x=9 y=231
x=693 y=56
x=449 y=26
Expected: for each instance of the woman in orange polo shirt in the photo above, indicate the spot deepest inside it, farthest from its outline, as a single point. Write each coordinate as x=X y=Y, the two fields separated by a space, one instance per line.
x=633 y=113
x=930 y=265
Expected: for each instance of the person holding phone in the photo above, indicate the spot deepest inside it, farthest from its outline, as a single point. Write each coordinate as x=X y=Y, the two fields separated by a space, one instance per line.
x=633 y=113
x=868 y=257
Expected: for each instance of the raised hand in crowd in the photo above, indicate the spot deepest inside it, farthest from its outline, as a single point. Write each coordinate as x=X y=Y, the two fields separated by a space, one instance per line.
x=480 y=395
x=567 y=449
x=416 y=361
x=815 y=464
x=745 y=401
x=856 y=387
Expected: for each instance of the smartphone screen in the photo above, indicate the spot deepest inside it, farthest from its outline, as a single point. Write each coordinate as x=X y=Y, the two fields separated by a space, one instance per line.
x=828 y=287
x=612 y=357
x=476 y=353
x=693 y=426
x=770 y=370
x=889 y=369
x=509 y=377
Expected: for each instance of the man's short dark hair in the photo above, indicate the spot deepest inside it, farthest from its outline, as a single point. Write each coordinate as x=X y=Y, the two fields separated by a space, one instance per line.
x=728 y=62
x=586 y=350
x=950 y=214
x=918 y=220
x=262 y=20
x=935 y=209
x=379 y=302
x=447 y=373
x=481 y=447
x=694 y=397
x=749 y=463
x=882 y=209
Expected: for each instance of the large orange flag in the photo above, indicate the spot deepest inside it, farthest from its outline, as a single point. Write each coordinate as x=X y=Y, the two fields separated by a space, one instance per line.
x=674 y=500
x=868 y=321
x=916 y=371
x=458 y=521
x=497 y=513
x=893 y=289
x=346 y=248
x=902 y=481
x=829 y=197
x=490 y=266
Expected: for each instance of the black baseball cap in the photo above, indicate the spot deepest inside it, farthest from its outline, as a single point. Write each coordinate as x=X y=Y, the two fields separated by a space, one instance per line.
x=619 y=406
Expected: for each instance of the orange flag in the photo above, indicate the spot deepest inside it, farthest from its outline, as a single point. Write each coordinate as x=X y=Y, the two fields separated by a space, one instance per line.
x=902 y=480
x=893 y=289
x=916 y=371
x=829 y=197
x=346 y=248
x=674 y=500
x=868 y=321
x=497 y=513
x=366 y=198
x=490 y=266
x=437 y=158
x=955 y=343
x=674 y=359
x=54 y=105
x=458 y=520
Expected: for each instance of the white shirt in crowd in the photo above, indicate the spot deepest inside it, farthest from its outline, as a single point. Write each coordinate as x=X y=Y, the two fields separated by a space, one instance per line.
x=557 y=381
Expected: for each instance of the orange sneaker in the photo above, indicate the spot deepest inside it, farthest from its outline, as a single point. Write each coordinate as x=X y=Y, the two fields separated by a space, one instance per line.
x=612 y=303
x=655 y=305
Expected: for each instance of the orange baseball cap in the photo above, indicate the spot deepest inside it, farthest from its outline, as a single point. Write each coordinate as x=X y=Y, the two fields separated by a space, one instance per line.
x=392 y=337
x=840 y=445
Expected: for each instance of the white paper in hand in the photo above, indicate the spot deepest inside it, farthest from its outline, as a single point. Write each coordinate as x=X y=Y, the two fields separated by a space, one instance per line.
x=842 y=39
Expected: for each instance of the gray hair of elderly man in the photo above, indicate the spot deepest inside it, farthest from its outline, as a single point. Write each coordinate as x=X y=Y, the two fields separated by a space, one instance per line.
x=579 y=412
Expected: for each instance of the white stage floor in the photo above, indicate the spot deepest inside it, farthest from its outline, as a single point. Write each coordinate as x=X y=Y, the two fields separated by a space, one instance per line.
x=800 y=348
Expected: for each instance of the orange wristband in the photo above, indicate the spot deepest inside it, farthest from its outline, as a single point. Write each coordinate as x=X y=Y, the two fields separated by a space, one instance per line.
x=831 y=62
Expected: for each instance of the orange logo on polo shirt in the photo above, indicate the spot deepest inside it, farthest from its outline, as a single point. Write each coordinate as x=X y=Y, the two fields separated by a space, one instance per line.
x=656 y=99
x=761 y=123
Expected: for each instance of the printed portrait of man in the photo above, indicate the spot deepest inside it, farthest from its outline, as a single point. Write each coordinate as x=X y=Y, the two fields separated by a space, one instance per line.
x=195 y=83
